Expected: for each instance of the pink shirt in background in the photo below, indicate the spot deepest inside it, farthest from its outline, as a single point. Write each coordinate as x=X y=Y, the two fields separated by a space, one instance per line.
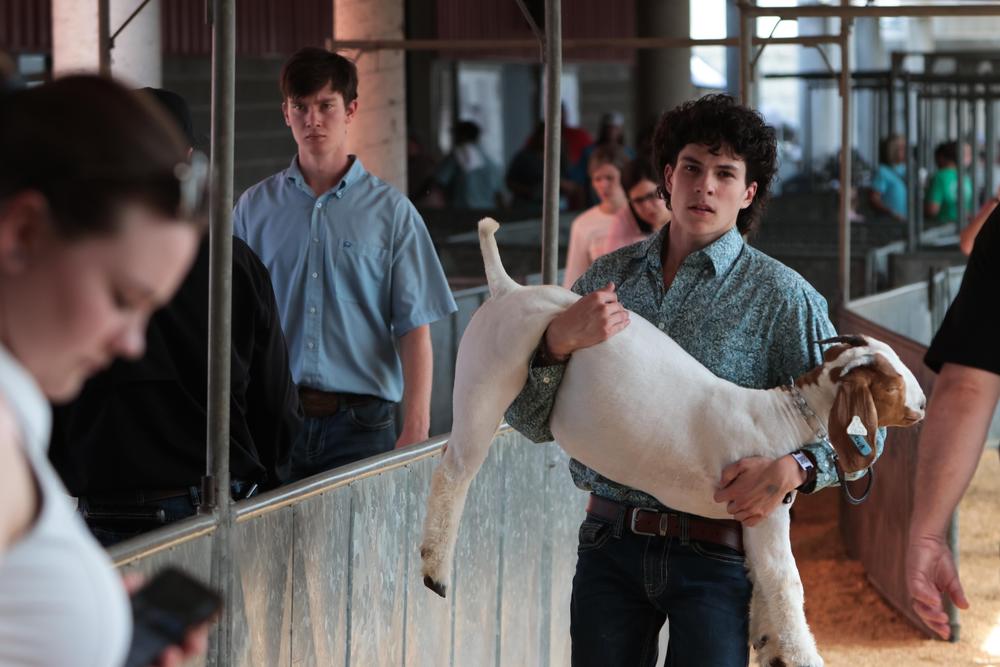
x=586 y=242
x=623 y=231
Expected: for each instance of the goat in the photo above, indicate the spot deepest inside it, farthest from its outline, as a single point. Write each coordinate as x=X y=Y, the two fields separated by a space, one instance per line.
x=861 y=385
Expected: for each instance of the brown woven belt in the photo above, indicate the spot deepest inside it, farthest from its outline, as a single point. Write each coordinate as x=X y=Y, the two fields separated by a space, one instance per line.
x=653 y=523
x=318 y=403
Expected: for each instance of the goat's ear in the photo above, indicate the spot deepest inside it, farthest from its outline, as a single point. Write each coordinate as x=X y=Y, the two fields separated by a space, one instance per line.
x=853 y=423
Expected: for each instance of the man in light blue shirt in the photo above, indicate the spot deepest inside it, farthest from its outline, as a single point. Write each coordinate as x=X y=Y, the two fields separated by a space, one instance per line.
x=355 y=275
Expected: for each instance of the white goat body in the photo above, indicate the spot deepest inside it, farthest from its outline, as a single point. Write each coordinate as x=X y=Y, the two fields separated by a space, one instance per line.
x=641 y=411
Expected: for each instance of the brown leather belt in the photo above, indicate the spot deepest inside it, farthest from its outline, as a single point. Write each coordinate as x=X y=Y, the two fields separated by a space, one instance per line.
x=653 y=523
x=318 y=403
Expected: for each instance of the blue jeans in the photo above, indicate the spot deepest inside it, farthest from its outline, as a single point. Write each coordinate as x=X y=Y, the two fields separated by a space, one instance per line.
x=350 y=434
x=627 y=585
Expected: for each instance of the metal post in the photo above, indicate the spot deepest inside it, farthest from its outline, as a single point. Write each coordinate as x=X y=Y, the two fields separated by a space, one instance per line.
x=973 y=139
x=961 y=108
x=989 y=118
x=220 y=314
x=911 y=170
x=104 y=37
x=925 y=133
x=747 y=23
x=553 y=136
x=845 y=160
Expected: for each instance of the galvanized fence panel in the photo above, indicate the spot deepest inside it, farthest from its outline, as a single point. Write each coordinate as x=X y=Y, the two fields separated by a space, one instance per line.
x=378 y=568
x=477 y=580
x=328 y=569
x=321 y=549
x=261 y=617
x=428 y=618
x=524 y=532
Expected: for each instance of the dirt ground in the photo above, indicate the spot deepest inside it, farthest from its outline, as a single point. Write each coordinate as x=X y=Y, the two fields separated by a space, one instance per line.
x=855 y=627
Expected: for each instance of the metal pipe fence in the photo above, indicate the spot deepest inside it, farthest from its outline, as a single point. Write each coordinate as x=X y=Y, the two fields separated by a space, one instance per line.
x=327 y=571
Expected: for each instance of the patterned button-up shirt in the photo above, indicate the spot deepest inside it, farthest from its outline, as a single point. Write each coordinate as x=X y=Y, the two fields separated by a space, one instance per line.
x=745 y=316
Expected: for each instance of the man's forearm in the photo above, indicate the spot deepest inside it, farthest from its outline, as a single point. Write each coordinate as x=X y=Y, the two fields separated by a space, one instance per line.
x=951 y=442
x=417 y=357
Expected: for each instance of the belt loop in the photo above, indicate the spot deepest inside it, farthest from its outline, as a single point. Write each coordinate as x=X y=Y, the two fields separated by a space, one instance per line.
x=623 y=516
x=685 y=528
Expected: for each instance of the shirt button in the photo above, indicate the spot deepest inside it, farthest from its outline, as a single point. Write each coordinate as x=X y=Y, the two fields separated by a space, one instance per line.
x=546 y=379
x=309 y=345
x=315 y=239
x=312 y=310
x=660 y=325
x=319 y=204
x=315 y=275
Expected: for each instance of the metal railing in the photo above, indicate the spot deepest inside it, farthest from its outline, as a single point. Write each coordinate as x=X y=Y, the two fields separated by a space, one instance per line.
x=327 y=571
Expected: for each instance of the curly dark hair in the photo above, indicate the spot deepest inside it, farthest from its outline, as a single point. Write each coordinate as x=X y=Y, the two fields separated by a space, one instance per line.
x=717 y=121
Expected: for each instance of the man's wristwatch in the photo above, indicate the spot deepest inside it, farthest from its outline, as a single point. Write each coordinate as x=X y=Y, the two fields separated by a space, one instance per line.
x=808 y=465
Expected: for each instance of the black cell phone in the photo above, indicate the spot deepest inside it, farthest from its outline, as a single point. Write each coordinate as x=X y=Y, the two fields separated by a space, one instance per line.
x=164 y=610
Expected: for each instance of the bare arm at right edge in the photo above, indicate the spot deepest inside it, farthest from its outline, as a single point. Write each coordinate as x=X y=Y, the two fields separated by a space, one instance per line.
x=591 y=320
x=951 y=443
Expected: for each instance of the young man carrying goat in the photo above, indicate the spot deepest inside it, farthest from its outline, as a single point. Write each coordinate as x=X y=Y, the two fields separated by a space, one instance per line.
x=637 y=411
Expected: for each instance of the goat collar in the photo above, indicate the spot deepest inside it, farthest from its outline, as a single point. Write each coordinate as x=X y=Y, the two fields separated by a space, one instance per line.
x=822 y=435
x=810 y=416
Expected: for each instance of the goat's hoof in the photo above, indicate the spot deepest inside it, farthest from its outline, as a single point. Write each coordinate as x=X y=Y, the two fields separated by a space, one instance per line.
x=777 y=662
x=438 y=588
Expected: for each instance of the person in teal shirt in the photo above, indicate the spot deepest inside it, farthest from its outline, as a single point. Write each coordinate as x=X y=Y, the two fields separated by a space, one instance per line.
x=888 y=189
x=942 y=192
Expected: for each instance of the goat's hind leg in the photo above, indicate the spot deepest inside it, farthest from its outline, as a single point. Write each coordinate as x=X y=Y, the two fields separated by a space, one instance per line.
x=449 y=487
x=778 y=597
x=478 y=407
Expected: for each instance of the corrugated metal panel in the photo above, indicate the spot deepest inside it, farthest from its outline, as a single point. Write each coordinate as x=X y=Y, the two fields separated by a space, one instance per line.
x=26 y=26
x=459 y=19
x=262 y=27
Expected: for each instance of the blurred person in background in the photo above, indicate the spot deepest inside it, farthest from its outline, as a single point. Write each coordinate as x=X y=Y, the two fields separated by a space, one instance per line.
x=646 y=213
x=467 y=176
x=610 y=133
x=942 y=191
x=589 y=231
x=526 y=175
x=888 y=192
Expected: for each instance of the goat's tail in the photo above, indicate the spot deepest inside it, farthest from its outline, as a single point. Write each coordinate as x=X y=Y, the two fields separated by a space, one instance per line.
x=496 y=275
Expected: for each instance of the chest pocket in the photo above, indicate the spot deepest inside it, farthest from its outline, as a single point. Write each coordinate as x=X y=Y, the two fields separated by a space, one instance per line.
x=361 y=269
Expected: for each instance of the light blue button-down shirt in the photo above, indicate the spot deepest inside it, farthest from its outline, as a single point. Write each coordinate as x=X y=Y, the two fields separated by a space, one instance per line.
x=352 y=268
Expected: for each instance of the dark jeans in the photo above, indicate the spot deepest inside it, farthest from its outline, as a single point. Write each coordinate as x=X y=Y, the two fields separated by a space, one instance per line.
x=114 y=522
x=627 y=585
x=350 y=434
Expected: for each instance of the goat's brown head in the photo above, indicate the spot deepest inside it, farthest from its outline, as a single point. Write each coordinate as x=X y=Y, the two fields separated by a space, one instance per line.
x=874 y=388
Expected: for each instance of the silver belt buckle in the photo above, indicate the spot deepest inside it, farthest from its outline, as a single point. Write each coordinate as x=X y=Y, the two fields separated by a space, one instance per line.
x=635 y=517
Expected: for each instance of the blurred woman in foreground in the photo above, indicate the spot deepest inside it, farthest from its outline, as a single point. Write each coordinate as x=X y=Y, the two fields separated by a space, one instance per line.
x=97 y=229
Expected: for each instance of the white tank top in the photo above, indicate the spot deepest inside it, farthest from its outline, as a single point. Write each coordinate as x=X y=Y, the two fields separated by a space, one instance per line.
x=62 y=603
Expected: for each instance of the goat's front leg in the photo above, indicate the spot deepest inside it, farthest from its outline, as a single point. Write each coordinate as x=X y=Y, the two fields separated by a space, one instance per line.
x=778 y=597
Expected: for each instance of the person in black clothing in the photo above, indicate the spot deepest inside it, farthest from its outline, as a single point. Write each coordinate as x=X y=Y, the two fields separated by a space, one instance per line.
x=966 y=356
x=131 y=447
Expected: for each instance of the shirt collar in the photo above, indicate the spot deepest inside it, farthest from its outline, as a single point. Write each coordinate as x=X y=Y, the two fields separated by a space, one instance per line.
x=719 y=255
x=354 y=173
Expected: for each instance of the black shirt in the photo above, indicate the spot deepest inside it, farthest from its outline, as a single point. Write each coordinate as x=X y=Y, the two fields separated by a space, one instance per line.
x=968 y=335
x=141 y=425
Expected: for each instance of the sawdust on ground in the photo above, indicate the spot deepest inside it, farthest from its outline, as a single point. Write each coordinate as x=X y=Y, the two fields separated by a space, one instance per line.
x=855 y=627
